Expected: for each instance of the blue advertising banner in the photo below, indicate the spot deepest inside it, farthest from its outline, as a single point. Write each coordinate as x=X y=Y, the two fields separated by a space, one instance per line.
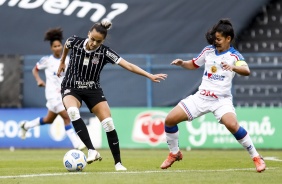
x=47 y=136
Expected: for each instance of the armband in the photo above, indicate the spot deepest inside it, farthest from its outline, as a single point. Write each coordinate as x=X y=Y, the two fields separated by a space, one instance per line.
x=240 y=63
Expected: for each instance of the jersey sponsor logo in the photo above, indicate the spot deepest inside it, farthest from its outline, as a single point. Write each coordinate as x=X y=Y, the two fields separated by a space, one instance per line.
x=208 y=93
x=112 y=56
x=214 y=76
x=84 y=85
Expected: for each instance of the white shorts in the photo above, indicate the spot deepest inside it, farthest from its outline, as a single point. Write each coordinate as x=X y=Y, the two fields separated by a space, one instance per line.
x=195 y=106
x=55 y=106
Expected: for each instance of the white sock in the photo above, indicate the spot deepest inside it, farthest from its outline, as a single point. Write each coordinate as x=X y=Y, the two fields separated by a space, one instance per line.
x=247 y=143
x=32 y=123
x=73 y=137
x=172 y=142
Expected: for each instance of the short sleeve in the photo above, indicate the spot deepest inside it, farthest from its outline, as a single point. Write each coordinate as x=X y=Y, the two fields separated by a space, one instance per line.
x=71 y=41
x=239 y=59
x=42 y=63
x=201 y=58
x=112 y=57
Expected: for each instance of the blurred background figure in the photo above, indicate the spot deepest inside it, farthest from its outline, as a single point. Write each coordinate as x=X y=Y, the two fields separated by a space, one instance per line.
x=52 y=86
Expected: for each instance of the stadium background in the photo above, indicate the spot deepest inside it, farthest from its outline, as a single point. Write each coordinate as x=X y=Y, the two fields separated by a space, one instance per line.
x=150 y=35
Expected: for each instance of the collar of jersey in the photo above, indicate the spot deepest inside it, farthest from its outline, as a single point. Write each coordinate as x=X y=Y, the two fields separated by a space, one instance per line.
x=216 y=52
x=84 y=46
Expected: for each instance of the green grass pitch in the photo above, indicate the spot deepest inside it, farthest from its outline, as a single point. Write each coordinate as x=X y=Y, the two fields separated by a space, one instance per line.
x=32 y=166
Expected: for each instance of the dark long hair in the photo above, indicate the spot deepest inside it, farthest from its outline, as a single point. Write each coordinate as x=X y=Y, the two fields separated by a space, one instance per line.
x=224 y=27
x=53 y=35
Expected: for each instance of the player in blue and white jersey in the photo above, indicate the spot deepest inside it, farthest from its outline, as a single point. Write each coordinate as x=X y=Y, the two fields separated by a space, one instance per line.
x=52 y=86
x=221 y=62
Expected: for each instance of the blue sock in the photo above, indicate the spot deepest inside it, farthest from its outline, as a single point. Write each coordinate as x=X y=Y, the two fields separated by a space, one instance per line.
x=240 y=134
x=67 y=127
x=171 y=129
x=41 y=121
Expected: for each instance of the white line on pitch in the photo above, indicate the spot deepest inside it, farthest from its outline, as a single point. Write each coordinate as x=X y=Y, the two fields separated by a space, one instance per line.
x=127 y=172
x=272 y=159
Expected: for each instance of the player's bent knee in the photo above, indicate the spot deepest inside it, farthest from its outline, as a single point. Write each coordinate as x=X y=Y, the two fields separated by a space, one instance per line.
x=108 y=124
x=73 y=113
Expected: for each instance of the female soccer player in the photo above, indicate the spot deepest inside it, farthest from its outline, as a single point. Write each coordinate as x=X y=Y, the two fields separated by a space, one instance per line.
x=221 y=62
x=54 y=103
x=82 y=83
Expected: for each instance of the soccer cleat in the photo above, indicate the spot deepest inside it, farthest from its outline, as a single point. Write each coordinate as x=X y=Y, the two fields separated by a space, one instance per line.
x=259 y=163
x=120 y=167
x=22 y=130
x=93 y=155
x=171 y=159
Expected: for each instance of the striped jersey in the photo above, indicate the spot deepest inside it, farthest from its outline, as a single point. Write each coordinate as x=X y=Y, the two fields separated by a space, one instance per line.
x=85 y=66
x=216 y=82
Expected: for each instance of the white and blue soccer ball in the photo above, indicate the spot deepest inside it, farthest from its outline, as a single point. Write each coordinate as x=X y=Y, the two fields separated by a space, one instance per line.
x=74 y=160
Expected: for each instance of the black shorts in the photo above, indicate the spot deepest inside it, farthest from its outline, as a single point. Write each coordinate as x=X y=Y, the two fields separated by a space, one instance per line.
x=90 y=97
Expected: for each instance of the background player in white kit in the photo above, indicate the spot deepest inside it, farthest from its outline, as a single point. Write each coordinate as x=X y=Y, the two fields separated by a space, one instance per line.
x=221 y=62
x=54 y=103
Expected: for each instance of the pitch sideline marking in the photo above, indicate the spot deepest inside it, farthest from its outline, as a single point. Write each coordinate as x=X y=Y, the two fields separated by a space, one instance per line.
x=127 y=172
x=272 y=159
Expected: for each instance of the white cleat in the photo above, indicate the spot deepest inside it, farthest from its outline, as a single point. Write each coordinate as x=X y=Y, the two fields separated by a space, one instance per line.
x=120 y=167
x=93 y=155
x=22 y=130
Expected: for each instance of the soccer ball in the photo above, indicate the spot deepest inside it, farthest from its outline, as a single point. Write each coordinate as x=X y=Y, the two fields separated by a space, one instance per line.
x=74 y=160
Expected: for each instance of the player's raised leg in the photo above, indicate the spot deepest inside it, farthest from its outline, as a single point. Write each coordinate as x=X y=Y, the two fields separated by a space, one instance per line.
x=242 y=136
x=26 y=125
x=175 y=116
x=82 y=132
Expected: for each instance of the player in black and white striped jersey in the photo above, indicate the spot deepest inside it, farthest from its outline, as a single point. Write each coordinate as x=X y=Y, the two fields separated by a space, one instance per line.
x=82 y=83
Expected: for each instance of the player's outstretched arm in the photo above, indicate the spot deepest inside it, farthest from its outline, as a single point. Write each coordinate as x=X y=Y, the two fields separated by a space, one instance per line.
x=185 y=64
x=136 y=69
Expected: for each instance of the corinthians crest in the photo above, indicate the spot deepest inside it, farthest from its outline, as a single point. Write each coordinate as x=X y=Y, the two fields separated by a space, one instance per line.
x=95 y=60
x=213 y=69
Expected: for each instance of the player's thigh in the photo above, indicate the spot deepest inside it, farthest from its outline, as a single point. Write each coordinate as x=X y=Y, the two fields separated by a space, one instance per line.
x=175 y=116
x=71 y=101
x=102 y=110
x=229 y=119
x=225 y=114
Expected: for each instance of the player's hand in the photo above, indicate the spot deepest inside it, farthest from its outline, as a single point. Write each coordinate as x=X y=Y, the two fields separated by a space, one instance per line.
x=61 y=69
x=158 y=77
x=177 y=62
x=41 y=83
x=226 y=66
